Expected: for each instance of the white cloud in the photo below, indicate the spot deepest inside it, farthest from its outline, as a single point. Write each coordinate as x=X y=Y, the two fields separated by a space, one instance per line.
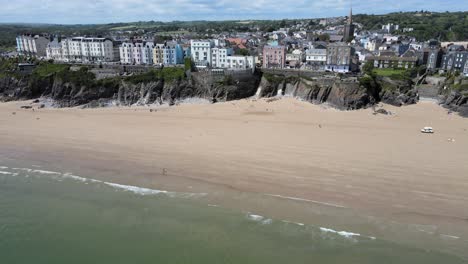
x=102 y=11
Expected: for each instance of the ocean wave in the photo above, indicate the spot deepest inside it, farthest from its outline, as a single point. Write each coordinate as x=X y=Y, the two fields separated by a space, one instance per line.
x=137 y=190
x=341 y=233
x=134 y=189
x=3 y=167
x=254 y=217
x=38 y=171
x=260 y=219
x=449 y=236
x=8 y=173
x=294 y=223
x=305 y=200
x=78 y=178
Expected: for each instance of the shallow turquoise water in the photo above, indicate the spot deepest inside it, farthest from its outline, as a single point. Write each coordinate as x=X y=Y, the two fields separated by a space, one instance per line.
x=51 y=218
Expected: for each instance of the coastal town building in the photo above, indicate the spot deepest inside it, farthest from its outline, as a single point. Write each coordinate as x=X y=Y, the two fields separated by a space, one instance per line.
x=295 y=59
x=169 y=53
x=316 y=57
x=389 y=61
x=390 y=27
x=349 y=28
x=126 y=53
x=54 y=51
x=339 y=57
x=274 y=57
x=372 y=45
x=219 y=57
x=465 y=69
x=136 y=53
x=237 y=62
x=434 y=58
x=88 y=50
x=454 y=61
x=200 y=51
x=32 y=45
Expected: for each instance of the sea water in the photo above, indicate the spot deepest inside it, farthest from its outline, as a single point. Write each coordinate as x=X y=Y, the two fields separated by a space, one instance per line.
x=54 y=217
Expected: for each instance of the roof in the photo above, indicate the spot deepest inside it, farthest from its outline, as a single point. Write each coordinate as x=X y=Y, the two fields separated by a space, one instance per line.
x=393 y=58
x=336 y=37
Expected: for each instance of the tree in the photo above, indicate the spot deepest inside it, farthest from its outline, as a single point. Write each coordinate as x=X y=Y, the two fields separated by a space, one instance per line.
x=324 y=37
x=189 y=65
x=368 y=67
x=244 y=52
x=282 y=23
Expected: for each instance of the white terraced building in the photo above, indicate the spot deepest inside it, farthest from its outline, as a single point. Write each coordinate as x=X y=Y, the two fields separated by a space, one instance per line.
x=210 y=53
x=136 y=53
x=83 y=49
x=238 y=62
x=200 y=51
x=219 y=56
x=54 y=51
x=32 y=45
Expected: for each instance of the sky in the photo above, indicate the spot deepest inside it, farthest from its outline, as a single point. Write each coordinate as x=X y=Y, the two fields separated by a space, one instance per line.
x=110 y=11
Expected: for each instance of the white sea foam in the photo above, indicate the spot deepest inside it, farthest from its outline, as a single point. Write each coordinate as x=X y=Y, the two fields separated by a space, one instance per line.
x=38 y=171
x=46 y=172
x=77 y=178
x=449 y=236
x=305 y=200
x=3 y=167
x=135 y=189
x=22 y=169
x=294 y=223
x=8 y=173
x=186 y=195
x=341 y=233
x=138 y=190
x=258 y=218
x=213 y=205
x=255 y=217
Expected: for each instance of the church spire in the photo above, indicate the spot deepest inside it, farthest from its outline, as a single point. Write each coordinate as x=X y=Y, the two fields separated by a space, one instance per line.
x=350 y=16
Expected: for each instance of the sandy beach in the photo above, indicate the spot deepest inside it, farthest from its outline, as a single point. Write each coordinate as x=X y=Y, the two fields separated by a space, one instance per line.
x=380 y=164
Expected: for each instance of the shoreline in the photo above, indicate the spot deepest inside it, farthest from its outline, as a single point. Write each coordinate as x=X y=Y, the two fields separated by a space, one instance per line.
x=377 y=165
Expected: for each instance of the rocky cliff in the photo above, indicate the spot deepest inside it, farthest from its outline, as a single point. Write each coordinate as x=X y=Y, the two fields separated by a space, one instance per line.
x=457 y=101
x=450 y=91
x=71 y=89
x=396 y=92
x=346 y=94
x=66 y=93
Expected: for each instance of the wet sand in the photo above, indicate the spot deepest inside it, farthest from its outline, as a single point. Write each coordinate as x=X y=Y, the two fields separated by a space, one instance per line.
x=287 y=149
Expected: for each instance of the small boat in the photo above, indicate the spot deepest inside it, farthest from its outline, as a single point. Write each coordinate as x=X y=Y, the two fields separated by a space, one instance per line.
x=427 y=130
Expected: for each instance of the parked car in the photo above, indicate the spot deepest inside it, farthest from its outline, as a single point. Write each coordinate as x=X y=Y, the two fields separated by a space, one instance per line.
x=427 y=130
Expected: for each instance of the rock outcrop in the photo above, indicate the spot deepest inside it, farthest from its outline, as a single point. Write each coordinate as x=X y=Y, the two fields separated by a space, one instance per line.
x=456 y=101
x=120 y=92
x=345 y=94
x=397 y=92
x=342 y=92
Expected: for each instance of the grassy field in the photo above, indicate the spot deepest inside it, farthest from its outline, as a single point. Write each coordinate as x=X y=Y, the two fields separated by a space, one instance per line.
x=168 y=33
x=46 y=69
x=389 y=72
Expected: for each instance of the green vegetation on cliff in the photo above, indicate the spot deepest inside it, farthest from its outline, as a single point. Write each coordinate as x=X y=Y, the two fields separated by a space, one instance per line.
x=81 y=76
x=168 y=74
x=46 y=69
